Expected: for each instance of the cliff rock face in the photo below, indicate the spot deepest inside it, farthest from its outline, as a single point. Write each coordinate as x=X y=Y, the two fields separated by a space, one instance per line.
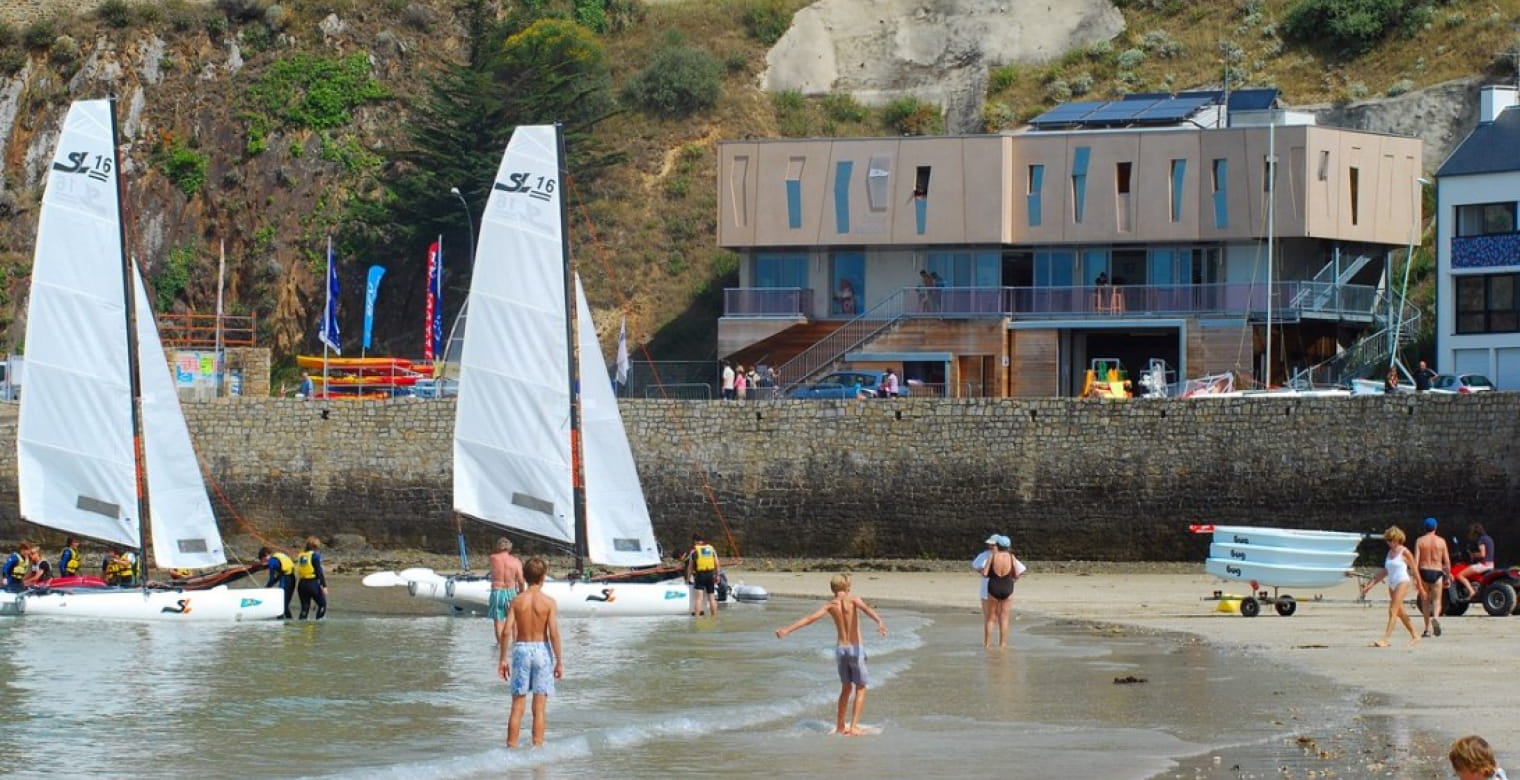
x=1440 y=115
x=938 y=51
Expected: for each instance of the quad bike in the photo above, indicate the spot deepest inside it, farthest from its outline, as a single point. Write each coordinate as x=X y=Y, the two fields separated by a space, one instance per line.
x=1495 y=590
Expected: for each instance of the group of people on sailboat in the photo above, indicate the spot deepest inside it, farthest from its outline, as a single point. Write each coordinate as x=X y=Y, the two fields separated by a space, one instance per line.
x=26 y=568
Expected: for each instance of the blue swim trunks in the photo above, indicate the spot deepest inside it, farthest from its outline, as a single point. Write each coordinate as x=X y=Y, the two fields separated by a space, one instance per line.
x=851 y=660
x=501 y=598
x=532 y=669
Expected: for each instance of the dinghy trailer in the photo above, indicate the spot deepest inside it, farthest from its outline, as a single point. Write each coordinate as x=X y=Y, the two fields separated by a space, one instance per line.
x=1276 y=558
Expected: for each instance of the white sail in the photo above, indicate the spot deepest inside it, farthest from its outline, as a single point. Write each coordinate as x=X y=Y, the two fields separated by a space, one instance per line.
x=511 y=431
x=618 y=529
x=180 y=520
x=74 y=436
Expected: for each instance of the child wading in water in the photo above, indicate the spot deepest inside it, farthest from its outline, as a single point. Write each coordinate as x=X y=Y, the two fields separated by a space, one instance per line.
x=850 y=654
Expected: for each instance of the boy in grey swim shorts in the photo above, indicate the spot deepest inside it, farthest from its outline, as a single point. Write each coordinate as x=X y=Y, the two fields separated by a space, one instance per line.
x=850 y=651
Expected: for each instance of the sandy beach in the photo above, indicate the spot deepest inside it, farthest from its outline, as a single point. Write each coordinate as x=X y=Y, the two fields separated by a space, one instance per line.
x=1441 y=682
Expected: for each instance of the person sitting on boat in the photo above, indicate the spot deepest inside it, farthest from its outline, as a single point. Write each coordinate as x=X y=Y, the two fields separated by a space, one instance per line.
x=68 y=560
x=16 y=566
x=39 y=572
x=311 y=581
x=119 y=568
x=282 y=572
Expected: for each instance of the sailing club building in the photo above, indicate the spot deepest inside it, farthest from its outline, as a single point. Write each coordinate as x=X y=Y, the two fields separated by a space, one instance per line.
x=1154 y=230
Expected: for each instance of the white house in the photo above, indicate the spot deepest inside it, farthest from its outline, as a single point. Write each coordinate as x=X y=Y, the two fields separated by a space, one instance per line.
x=1478 y=247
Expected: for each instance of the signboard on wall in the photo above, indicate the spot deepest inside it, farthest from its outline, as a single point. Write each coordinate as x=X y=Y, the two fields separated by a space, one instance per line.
x=195 y=374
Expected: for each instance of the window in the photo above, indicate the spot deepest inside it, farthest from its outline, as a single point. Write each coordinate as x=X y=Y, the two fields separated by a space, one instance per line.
x=921 y=182
x=1219 y=175
x=1179 y=177
x=971 y=268
x=1036 y=181
x=1121 y=177
x=1482 y=219
x=1054 y=268
x=1079 y=182
x=1355 y=182
x=778 y=270
x=843 y=169
x=1488 y=303
x=848 y=284
x=878 y=177
x=1324 y=164
x=794 y=192
x=1268 y=172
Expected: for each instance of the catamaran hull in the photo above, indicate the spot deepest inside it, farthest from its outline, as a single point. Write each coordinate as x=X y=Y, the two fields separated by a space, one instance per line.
x=575 y=599
x=1276 y=575
x=219 y=604
x=1283 y=556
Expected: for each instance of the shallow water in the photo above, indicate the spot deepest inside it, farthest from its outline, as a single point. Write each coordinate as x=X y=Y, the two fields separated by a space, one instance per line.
x=417 y=697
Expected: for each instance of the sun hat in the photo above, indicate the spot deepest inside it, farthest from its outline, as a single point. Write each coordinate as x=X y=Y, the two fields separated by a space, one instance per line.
x=993 y=539
x=1430 y=524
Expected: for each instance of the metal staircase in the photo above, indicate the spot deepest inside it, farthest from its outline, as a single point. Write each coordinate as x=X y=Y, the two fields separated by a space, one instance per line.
x=830 y=349
x=1320 y=291
x=1369 y=354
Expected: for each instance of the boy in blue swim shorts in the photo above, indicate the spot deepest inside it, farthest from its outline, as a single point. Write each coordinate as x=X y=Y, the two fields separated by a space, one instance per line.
x=850 y=651
x=531 y=642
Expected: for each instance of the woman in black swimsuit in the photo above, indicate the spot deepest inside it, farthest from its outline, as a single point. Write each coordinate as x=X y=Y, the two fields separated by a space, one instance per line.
x=1000 y=571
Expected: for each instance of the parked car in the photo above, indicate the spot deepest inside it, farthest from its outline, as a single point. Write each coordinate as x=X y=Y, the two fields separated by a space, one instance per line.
x=1460 y=383
x=847 y=384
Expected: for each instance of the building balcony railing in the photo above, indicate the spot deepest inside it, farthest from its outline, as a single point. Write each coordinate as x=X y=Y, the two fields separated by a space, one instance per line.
x=1496 y=250
x=787 y=302
x=1288 y=300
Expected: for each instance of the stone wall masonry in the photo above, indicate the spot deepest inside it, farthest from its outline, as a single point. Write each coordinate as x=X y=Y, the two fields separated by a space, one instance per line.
x=1067 y=479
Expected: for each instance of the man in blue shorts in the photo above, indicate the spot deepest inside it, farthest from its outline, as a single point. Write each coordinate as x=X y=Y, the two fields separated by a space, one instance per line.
x=506 y=582
x=531 y=642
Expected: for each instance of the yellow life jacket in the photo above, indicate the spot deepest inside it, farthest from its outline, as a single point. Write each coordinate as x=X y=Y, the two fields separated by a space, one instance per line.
x=70 y=566
x=119 y=570
x=306 y=567
x=287 y=566
x=706 y=557
x=21 y=568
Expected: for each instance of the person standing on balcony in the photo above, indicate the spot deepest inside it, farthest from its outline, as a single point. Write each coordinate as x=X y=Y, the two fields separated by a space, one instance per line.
x=741 y=384
x=845 y=300
x=1422 y=377
x=926 y=290
x=728 y=381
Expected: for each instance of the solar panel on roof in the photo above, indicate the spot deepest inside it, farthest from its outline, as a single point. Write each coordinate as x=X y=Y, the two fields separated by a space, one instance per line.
x=1066 y=113
x=1119 y=111
x=1252 y=99
x=1173 y=110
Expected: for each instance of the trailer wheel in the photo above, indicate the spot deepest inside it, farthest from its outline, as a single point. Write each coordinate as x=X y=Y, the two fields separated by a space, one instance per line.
x=1249 y=607
x=1285 y=606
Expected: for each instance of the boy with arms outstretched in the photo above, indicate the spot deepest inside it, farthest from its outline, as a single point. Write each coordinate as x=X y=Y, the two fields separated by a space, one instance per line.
x=531 y=641
x=850 y=653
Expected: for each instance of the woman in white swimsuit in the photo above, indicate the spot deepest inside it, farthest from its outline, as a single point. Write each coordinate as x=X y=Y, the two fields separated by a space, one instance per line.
x=1396 y=568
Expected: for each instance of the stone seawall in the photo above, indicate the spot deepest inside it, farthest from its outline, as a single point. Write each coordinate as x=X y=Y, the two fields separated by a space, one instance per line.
x=908 y=478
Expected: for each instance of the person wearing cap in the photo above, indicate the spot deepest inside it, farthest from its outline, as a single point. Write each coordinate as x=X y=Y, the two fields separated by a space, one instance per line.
x=702 y=576
x=1001 y=571
x=1432 y=560
x=977 y=564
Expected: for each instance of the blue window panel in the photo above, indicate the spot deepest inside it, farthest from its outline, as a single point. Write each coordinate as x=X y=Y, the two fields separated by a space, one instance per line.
x=849 y=274
x=1079 y=159
x=1036 y=182
x=1179 y=177
x=842 y=195
x=1162 y=268
x=1094 y=262
x=1054 y=268
x=794 y=204
x=1079 y=181
x=921 y=212
x=1221 y=193
x=776 y=270
x=987 y=269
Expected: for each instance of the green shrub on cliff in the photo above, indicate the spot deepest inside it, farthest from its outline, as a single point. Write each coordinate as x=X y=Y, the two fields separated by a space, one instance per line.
x=679 y=81
x=312 y=92
x=115 y=13
x=185 y=167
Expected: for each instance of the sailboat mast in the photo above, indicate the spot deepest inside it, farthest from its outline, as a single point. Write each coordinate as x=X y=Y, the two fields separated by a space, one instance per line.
x=134 y=360
x=577 y=462
x=1271 y=230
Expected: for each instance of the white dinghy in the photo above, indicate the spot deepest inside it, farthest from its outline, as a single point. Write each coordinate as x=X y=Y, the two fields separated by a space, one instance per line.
x=97 y=378
x=537 y=451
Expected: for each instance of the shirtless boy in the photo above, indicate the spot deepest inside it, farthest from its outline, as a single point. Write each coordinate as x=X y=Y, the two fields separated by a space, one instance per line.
x=506 y=582
x=531 y=642
x=1433 y=560
x=850 y=653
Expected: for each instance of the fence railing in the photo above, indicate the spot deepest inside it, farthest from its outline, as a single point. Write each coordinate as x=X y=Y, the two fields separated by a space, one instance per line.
x=199 y=330
x=1288 y=300
x=826 y=351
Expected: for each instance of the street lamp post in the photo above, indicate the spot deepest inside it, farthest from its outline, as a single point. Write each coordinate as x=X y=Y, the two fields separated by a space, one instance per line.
x=440 y=371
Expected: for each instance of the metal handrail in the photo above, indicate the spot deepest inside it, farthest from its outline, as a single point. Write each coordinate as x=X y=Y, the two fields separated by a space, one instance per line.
x=829 y=349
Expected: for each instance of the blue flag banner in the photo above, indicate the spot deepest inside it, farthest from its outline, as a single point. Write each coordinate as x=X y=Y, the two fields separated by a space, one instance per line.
x=435 y=299
x=371 y=290
x=329 y=332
